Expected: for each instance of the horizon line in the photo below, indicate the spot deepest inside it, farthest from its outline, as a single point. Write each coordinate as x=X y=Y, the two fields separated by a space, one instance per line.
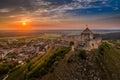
x=60 y=29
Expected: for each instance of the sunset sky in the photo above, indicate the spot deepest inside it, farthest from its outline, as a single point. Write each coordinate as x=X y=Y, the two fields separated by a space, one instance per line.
x=59 y=14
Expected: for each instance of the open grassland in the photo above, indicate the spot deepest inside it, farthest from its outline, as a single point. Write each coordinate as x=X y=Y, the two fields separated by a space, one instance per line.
x=45 y=36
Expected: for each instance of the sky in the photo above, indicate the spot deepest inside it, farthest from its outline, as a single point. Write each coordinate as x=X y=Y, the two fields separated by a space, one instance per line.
x=59 y=14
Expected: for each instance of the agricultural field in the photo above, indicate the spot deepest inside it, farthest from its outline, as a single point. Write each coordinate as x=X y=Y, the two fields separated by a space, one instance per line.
x=42 y=36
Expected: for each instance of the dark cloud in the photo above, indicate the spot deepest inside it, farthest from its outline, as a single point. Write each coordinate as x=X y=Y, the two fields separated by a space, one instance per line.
x=11 y=3
x=26 y=4
x=59 y=2
x=59 y=9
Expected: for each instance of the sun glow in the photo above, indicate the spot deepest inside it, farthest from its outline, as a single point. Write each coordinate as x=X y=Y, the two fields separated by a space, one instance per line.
x=24 y=22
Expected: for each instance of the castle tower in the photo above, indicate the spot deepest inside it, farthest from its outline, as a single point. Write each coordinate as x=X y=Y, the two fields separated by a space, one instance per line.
x=87 y=34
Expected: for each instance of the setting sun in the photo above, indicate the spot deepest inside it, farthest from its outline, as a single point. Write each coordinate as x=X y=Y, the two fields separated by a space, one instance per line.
x=24 y=23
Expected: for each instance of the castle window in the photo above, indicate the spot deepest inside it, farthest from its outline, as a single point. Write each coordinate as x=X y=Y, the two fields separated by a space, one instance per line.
x=93 y=44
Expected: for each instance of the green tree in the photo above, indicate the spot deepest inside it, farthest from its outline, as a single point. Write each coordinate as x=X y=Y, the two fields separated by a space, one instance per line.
x=71 y=43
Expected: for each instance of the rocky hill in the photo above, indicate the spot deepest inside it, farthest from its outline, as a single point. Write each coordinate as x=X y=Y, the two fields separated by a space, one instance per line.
x=102 y=64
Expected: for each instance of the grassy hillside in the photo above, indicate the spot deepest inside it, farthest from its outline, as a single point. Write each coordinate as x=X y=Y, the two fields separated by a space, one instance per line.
x=39 y=65
x=102 y=64
x=62 y=64
x=4 y=69
x=110 y=61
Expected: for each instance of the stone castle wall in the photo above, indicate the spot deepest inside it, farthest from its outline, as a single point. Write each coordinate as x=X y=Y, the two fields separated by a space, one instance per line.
x=93 y=44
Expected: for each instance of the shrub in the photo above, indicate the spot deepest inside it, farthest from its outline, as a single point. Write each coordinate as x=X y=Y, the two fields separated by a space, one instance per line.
x=82 y=54
x=4 y=68
x=52 y=69
x=57 y=58
x=70 y=60
x=55 y=63
x=71 y=43
x=104 y=46
x=101 y=51
x=43 y=71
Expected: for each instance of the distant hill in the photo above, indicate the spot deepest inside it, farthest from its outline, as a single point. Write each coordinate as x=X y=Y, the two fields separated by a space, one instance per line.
x=112 y=36
x=62 y=64
x=106 y=34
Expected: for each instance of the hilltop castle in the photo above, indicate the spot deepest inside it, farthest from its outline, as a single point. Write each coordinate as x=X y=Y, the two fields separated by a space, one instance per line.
x=87 y=40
